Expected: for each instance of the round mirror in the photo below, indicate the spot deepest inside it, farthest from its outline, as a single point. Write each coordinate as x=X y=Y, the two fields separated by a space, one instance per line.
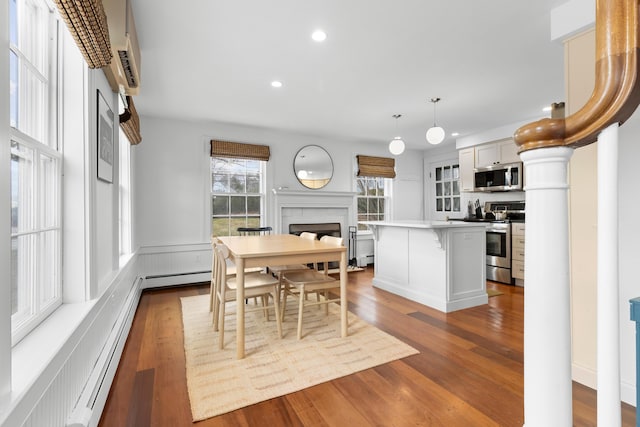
x=313 y=166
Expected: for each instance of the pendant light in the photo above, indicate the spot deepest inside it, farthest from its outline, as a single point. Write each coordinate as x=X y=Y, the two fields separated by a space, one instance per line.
x=396 y=146
x=435 y=134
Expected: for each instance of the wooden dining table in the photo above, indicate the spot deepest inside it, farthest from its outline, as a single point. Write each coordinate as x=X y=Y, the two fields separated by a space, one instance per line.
x=281 y=249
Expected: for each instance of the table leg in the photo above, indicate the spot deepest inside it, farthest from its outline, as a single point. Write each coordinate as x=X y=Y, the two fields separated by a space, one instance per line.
x=240 y=308
x=343 y=293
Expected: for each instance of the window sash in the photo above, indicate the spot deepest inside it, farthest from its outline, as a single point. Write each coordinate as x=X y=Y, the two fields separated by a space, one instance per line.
x=34 y=71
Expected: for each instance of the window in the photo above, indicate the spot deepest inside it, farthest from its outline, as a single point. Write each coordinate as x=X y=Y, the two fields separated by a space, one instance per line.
x=447 y=194
x=124 y=217
x=372 y=199
x=237 y=194
x=36 y=165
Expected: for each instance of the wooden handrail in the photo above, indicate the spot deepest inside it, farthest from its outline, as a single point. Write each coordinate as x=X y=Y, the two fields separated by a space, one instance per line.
x=616 y=93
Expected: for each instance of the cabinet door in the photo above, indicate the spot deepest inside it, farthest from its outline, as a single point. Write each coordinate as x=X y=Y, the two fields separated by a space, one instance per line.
x=466 y=159
x=486 y=155
x=508 y=152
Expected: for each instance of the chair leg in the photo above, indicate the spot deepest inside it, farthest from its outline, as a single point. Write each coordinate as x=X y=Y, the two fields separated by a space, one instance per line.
x=326 y=304
x=301 y=296
x=216 y=312
x=221 y=326
x=276 y=306
x=212 y=292
x=285 y=294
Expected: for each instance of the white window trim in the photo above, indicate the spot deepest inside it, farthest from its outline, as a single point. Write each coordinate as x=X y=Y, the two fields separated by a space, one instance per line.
x=264 y=206
x=388 y=204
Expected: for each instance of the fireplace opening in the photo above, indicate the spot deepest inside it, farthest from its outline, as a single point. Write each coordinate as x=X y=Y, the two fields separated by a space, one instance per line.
x=321 y=229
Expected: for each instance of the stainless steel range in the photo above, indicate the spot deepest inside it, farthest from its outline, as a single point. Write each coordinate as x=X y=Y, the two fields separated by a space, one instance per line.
x=499 y=216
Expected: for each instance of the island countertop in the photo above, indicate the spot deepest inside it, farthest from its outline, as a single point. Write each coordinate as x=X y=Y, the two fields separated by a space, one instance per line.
x=425 y=224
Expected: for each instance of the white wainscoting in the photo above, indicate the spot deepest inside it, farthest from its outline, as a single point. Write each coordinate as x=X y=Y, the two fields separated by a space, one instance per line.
x=68 y=365
x=58 y=366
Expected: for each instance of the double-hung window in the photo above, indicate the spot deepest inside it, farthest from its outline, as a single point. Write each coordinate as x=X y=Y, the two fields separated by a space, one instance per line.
x=237 y=194
x=373 y=184
x=372 y=194
x=36 y=164
x=124 y=214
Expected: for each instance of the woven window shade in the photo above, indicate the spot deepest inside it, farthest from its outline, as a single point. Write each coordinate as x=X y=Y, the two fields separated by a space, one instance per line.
x=381 y=167
x=87 y=24
x=239 y=150
x=130 y=123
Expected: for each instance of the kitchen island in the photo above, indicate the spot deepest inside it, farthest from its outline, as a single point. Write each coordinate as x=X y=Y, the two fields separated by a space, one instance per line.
x=437 y=263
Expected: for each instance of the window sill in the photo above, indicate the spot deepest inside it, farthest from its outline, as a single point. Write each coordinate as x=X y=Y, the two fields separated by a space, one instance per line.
x=125 y=258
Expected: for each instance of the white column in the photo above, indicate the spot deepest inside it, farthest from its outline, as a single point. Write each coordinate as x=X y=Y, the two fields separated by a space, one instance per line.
x=547 y=333
x=608 y=350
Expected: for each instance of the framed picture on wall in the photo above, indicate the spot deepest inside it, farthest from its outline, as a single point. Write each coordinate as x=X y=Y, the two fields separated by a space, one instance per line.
x=105 y=140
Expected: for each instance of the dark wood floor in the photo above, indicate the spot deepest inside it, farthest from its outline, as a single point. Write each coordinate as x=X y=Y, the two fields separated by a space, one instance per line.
x=468 y=372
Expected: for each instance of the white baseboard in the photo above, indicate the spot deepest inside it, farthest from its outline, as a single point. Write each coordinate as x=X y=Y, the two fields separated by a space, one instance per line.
x=588 y=377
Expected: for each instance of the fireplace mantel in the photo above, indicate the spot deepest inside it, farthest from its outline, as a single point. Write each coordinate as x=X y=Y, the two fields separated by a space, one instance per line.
x=291 y=206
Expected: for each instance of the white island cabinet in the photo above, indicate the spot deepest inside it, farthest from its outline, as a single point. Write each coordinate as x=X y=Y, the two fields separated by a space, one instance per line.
x=437 y=263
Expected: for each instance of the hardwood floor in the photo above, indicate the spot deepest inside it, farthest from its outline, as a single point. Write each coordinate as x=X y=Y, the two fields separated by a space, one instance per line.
x=468 y=372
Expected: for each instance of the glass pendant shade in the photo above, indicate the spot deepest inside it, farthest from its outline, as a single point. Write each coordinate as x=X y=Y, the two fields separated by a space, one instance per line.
x=396 y=146
x=435 y=135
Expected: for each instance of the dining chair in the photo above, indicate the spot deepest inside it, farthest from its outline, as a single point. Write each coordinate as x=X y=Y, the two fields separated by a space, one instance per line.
x=231 y=271
x=302 y=282
x=255 y=285
x=279 y=270
x=254 y=231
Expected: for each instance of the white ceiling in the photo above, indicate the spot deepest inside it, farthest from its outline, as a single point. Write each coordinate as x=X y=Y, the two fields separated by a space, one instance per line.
x=491 y=62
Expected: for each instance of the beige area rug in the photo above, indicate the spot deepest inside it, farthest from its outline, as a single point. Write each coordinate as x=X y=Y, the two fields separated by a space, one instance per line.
x=493 y=293
x=220 y=383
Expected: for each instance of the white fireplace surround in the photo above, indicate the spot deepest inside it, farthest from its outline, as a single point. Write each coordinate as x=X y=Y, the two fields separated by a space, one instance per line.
x=309 y=207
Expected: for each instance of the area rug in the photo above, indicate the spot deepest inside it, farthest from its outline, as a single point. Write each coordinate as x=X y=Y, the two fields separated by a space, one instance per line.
x=218 y=383
x=493 y=292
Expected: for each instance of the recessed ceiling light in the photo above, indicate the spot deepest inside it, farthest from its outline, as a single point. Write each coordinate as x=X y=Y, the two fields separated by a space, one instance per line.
x=276 y=83
x=319 y=36
x=455 y=134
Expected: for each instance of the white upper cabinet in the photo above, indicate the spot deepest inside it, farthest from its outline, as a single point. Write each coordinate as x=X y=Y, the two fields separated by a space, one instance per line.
x=501 y=152
x=466 y=160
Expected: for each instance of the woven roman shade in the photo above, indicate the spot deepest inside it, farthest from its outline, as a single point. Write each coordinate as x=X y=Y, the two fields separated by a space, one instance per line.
x=239 y=150
x=130 y=123
x=380 y=167
x=87 y=24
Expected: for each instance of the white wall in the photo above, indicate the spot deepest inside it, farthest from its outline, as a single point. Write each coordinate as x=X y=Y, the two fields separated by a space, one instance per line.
x=172 y=175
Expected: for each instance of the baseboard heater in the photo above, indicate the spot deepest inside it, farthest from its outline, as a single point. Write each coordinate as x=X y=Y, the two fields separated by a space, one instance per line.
x=161 y=276
x=94 y=395
x=175 y=279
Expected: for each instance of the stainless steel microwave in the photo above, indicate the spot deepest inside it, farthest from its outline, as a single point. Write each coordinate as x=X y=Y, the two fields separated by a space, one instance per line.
x=499 y=177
